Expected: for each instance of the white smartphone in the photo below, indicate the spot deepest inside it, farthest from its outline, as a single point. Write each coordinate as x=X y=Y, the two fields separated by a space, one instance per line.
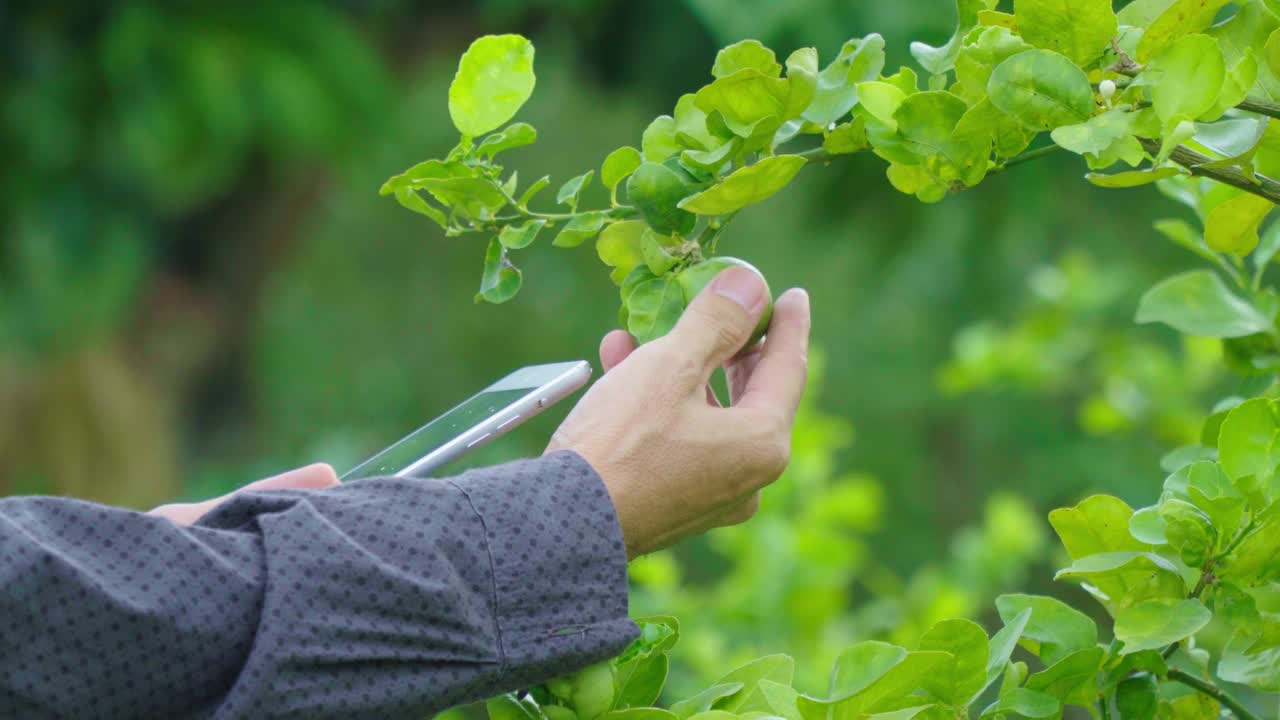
x=488 y=414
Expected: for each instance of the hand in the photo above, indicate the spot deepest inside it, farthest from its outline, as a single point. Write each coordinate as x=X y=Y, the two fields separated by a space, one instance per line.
x=311 y=477
x=676 y=463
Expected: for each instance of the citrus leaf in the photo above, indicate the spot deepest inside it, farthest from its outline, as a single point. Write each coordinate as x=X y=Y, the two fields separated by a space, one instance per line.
x=967 y=675
x=1153 y=624
x=746 y=54
x=571 y=192
x=1181 y=17
x=1042 y=89
x=1132 y=178
x=1199 y=303
x=511 y=137
x=579 y=230
x=745 y=186
x=1232 y=225
x=836 y=92
x=501 y=280
x=1123 y=579
x=939 y=60
x=618 y=165
x=619 y=245
x=652 y=310
x=515 y=237
x=1054 y=630
x=1024 y=702
x=1072 y=678
x=1186 y=77
x=1078 y=29
x=1100 y=523
x=494 y=78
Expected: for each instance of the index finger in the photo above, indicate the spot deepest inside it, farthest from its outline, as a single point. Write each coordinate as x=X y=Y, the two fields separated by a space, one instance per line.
x=778 y=379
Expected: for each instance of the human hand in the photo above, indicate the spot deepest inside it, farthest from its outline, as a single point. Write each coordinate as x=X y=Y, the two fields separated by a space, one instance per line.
x=675 y=463
x=311 y=477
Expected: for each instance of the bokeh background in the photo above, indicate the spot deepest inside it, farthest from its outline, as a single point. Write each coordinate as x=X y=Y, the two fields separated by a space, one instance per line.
x=199 y=286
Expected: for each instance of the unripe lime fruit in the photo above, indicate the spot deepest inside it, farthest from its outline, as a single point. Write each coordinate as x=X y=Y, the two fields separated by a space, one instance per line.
x=695 y=277
x=593 y=691
x=655 y=189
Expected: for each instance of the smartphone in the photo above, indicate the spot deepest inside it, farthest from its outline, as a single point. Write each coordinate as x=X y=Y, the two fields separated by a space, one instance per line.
x=488 y=414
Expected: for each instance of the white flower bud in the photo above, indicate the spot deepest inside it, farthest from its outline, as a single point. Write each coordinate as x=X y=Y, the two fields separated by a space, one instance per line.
x=1107 y=89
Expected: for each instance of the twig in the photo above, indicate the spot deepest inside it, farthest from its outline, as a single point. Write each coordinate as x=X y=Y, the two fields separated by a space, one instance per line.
x=1195 y=162
x=1212 y=691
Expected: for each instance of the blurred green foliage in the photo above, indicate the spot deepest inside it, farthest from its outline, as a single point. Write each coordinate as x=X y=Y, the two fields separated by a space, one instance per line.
x=199 y=285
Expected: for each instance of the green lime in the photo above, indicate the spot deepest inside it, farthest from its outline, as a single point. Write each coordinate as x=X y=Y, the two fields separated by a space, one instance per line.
x=655 y=189
x=695 y=277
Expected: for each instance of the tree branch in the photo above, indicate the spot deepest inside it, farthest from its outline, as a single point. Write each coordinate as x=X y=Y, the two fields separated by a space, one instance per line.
x=1212 y=691
x=1264 y=187
x=1262 y=107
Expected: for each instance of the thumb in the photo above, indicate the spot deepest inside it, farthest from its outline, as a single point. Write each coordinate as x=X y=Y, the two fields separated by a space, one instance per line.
x=721 y=318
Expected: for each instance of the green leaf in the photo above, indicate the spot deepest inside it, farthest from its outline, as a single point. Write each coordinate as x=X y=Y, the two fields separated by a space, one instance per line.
x=571 y=192
x=1147 y=526
x=537 y=187
x=656 y=250
x=939 y=60
x=653 y=309
x=1100 y=523
x=494 y=78
x=862 y=664
x=743 y=55
x=984 y=123
x=501 y=280
x=642 y=686
x=1002 y=645
x=1097 y=134
x=1248 y=447
x=618 y=165
x=635 y=713
x=802 y=79
x=836 y=92
x=745 y=186
x=967 y=642
x=846 y=138
x=659 y=140
x=1207 y=486
x=511 y=137
x=1079 y=29
x=1122 y=579
x=881 y=100
x=774 y=668
x=1042 y=89
x=476 y=197
x=1199 y=303
x=1024 y=702
x=1137 y=699
x=1239 y=81
x=1186 y=77
x=1132 y=178
x=1271 y=53
x=409 y=198
x=702 y=701
x=781 y=699
x=579 y=230
x=926 y=123
x=508 y=707
x=978 y=59
x=1232 y=225
x=1071 y=679
x=1260 y=671
x=753 y=105
x=1253 y=562
x=1182 y=17
x=1054 y=631
x=901 y=679
x=515 y=237
x=1153 y=624
x=619 y=245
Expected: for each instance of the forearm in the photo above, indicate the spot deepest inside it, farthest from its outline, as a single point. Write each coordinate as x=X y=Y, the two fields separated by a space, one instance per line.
x=382 y=598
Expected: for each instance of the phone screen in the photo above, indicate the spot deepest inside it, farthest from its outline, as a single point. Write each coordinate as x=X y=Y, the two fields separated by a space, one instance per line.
x=438 y=432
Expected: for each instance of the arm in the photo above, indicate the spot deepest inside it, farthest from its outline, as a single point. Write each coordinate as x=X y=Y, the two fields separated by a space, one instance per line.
x=382 y=598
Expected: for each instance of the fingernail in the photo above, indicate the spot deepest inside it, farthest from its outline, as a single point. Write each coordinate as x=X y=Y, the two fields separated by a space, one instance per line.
x=741 y=286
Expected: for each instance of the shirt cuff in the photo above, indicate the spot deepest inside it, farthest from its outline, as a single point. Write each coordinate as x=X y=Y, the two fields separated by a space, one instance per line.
x=559 y=564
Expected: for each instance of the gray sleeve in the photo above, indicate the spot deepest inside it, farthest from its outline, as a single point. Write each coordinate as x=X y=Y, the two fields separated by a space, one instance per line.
x=378 y=599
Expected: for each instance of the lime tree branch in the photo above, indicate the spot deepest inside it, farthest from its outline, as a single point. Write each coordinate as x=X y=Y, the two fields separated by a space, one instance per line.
x=1212 y=691
x=1198 y=165
x=1262 y=107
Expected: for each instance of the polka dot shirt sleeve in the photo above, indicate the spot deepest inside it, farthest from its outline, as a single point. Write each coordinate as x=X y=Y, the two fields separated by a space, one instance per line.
x=383 y=598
